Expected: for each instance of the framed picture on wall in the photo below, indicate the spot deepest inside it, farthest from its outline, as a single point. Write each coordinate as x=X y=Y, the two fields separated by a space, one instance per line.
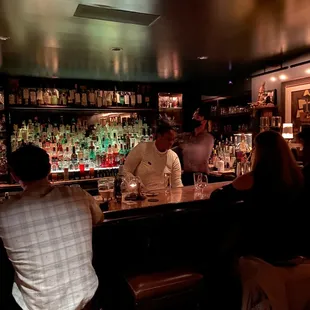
x=295 y=103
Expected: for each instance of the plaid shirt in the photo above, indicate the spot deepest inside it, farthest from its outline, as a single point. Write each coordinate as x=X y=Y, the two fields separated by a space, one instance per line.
x=47 y=233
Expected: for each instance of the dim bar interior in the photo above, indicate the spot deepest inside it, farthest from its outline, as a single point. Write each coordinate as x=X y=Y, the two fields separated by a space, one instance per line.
x=90 y=84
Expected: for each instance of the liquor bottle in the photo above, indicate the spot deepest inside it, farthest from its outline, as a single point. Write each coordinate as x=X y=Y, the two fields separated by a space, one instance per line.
x=139 y=97
x=54 y=160
x=92 y=155
x=116 y=157
x=12 y=97
x=63 y=98
x=110 y=160
x=74 y=159
x=99 y=95
x=66 y=158
x=126 y=99
x=71 y=97
x=19 y=97
x=121 y=99
x=147 y=99
x=77 y=96
x=26 y=96
x=109 y=98
x=55 y=96
x=132 y=99
x=33 y=96
x=40 y=100
x=114 y=98
x=92 y=98
x=47 y=97
x=84 y=98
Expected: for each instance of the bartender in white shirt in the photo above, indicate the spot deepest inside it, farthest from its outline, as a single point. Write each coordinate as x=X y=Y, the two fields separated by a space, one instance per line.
x=151 y=160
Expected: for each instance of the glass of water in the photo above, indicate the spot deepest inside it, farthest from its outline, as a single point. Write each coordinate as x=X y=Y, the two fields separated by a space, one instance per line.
x=167 y=182
x=197 y=180
x=200 y=181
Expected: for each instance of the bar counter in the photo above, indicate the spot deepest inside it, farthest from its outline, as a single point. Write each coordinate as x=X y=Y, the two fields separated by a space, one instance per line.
x=177 y=200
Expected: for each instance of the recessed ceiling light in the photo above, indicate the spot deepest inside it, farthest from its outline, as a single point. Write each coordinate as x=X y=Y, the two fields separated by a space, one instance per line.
x=307 y=71
x=282 y=77
x=2 y=38
x=273 y=79
x=202 y=57
x=116 y=49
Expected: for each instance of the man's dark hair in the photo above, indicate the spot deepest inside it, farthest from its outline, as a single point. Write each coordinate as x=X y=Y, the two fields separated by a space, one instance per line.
x=30 y=163
x=204 y=110
x=164 y=127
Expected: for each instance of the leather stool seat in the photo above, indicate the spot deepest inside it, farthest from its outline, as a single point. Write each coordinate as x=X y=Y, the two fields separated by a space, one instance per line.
x=156 y=285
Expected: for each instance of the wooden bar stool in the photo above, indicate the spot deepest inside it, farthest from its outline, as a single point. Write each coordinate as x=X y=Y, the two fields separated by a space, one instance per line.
x=165 y=290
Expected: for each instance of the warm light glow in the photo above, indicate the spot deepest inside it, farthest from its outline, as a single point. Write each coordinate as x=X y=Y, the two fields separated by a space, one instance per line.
x=287 y=131
x=202 y=57
x=307 y=71
x=86 y=169
x=282 y=77
x=273 y=79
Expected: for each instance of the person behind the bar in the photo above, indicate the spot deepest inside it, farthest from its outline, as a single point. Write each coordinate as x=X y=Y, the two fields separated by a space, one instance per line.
x=151 y=160
x=195 y=147
x=47 y=233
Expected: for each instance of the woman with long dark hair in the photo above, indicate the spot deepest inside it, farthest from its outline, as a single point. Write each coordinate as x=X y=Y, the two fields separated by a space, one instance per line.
x=275 y=175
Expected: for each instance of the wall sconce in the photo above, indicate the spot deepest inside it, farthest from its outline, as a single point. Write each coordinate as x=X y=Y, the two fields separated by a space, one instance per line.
x=287 y=131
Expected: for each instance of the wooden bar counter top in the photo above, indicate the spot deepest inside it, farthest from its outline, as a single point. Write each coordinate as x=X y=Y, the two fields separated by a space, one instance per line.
x=177 y=199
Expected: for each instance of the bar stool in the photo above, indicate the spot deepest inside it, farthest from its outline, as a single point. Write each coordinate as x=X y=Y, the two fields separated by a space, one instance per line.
x=165 y=290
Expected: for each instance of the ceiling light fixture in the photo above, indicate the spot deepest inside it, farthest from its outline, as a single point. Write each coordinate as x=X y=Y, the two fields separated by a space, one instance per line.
x=273 y=79
x=116 y=49
x=202 y=57
x=283 y=77
x=2 y=38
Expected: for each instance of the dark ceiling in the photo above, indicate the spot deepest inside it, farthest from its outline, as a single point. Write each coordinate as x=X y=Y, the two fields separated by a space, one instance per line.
x=46 y=39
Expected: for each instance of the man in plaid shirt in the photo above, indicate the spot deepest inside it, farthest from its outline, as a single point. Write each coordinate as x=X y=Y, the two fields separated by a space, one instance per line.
x=47 y=233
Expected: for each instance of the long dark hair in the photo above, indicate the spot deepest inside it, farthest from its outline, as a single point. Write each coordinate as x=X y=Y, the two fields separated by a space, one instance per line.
x=274 y=167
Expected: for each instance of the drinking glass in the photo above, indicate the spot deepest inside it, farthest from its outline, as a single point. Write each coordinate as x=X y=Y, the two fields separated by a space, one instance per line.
x=167 y=182
x=197 y=180
x=82 y=170
x=106 y=188
x=204 y=182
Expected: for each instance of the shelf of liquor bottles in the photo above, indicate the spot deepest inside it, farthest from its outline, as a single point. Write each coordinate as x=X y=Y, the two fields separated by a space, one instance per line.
x=79 y=94
x=65 y=109
x=86 y=127
x=81 y=146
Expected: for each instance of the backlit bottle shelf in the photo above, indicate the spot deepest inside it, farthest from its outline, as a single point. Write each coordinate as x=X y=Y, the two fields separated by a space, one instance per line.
x=86 y=170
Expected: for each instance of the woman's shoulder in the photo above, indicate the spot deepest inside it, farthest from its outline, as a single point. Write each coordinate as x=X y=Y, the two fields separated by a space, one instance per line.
x=244 y=182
